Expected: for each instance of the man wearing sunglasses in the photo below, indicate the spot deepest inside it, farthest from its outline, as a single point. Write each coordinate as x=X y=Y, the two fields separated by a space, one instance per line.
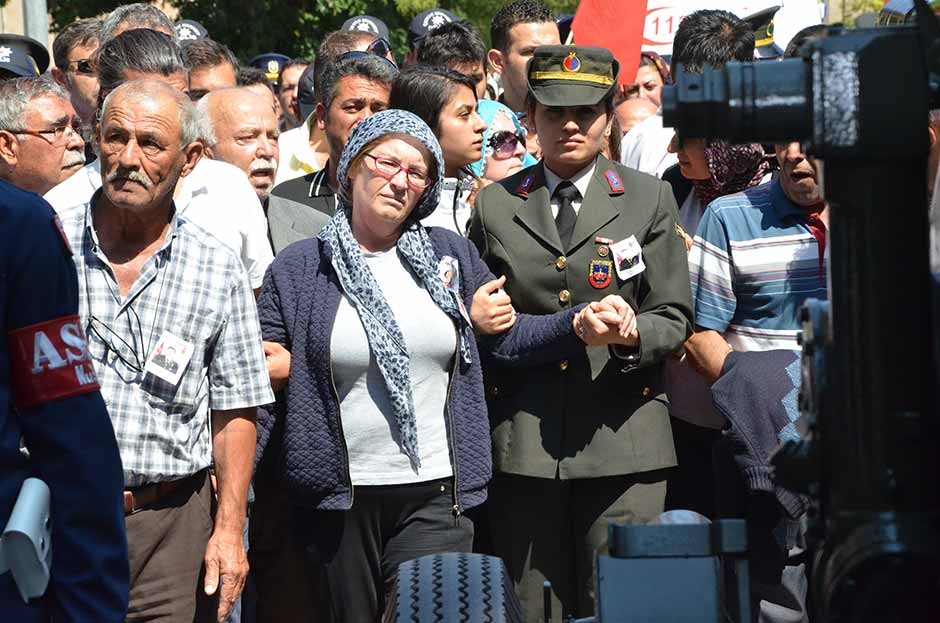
x=73 y=52
x=40 y=134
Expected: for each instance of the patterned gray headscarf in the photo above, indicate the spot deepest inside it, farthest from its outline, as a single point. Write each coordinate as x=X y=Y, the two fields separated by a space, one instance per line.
x=384 y=335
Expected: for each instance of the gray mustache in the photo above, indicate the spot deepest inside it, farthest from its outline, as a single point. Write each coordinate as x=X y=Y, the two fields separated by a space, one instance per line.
x=263 y=163
x=131 y=175
x=71 y=158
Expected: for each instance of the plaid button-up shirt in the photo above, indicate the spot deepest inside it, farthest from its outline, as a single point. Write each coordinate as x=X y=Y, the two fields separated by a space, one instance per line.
x=195 y=288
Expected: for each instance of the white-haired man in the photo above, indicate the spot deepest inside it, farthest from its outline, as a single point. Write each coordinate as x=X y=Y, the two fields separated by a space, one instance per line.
x=174 y=336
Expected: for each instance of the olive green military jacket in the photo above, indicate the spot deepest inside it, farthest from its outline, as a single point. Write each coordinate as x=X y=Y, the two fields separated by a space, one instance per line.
x=596 y=414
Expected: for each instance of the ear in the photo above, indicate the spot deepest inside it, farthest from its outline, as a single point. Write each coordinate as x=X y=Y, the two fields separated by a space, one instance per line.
x=321 y=116
x=495 y=57
x=60 y=78
x=9 y=148
x=207 y=152
x=932 y=132
x=192 y=153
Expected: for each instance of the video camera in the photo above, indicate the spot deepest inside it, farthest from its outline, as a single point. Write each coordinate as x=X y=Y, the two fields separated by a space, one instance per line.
x=858 y=100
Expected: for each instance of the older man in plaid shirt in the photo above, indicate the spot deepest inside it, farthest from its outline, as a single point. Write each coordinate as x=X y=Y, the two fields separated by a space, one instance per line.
x=174 y=334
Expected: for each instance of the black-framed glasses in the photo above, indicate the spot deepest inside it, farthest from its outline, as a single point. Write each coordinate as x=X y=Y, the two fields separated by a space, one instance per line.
x=364 y=54
x=389 y=168
x=115 y=343
x=83 y=66
x=58 y=133
x=504 y=143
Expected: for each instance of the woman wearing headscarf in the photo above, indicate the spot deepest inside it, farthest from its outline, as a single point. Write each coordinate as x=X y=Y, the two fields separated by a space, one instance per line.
x=382 y=432
x=709 y=169
x=504 y=151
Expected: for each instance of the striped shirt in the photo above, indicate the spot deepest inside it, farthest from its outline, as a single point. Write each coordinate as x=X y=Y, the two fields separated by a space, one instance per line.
x=195 y=288
x=753 y=263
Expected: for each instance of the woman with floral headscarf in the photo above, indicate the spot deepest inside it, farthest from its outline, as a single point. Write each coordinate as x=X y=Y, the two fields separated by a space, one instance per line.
x=382 y=435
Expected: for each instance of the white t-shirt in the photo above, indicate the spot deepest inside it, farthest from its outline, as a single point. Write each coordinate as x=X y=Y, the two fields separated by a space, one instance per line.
x=445 y=214
x=369 y=425
x=645 y=147
x=216 y=196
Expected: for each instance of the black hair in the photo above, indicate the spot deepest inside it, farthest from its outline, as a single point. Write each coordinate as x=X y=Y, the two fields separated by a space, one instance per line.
x=453 y=44
x=519 y=12
x=815 y=31
x=206 y=52
x=248 y=76
x=425 y=91
x=711 y=38
x=369 y=66
x=333 y=45
x=79 y=33
x=294 y=62
x=142 y=50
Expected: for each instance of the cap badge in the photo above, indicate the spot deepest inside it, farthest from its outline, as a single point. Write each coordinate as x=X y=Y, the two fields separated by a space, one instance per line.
x=273 y=66
x=5 y=54
x=571 y=63
x=526 y=186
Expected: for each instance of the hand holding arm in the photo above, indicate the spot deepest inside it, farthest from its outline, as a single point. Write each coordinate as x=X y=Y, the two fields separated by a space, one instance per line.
x=706 y=352
x=277 y=359
x=492 y=312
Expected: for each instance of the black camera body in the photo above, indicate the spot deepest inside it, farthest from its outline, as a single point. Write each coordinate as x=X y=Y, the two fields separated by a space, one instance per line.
x=858 y=100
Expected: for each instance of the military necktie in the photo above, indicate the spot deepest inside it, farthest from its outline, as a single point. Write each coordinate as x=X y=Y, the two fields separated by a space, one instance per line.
x=566 y=193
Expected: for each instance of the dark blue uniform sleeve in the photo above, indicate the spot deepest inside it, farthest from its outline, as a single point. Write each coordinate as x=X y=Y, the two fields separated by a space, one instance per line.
x=70 y=440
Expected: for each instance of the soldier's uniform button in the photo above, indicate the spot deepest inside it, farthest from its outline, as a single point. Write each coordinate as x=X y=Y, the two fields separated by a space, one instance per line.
x=564 y=296
x=646 y=392
x=563 y=365
x=561 y=263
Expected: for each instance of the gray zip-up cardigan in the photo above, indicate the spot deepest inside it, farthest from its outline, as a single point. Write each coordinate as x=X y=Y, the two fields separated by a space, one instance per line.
x=297 y=308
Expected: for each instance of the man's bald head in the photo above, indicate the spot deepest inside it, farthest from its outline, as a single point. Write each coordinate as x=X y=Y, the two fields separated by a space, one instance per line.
x=633 y=111
x=148 y=138
x=242 y=130
x=157 y=92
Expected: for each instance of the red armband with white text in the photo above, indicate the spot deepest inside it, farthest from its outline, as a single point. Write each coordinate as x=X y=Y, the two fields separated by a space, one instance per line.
x=50 y=361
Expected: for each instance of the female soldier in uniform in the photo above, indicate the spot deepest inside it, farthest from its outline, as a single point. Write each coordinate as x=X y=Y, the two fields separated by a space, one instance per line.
x=585 y=440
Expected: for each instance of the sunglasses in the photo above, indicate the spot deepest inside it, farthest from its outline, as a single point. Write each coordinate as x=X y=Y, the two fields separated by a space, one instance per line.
x=83 y=66
x=365 y=54
x=504 y=143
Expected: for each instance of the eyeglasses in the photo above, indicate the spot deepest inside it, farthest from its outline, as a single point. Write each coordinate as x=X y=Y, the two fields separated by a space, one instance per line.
x=504 y=143
x=115 y=343
x=363 y=54
x=388 y=168
x=83 y=66
x=59 y=133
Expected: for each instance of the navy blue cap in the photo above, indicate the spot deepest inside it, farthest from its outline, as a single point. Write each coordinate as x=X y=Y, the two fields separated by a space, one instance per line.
x=22 y=56
x=271 y=63
x=190 y=30
x=367 y=23
x=426 y=21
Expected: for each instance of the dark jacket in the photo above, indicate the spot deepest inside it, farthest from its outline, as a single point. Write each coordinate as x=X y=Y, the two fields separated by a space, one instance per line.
x=298 y=305
x=299 y=208
x=592 y=415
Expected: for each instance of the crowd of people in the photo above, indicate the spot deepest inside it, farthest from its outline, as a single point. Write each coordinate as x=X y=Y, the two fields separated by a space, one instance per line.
x=347 y=312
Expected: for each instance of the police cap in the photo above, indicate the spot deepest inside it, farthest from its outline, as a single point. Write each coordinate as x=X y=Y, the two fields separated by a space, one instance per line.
x=426 y=21
x=271 y=63
x=571 y=75
x=367 y=23
x=22 y=56
x=190 y=30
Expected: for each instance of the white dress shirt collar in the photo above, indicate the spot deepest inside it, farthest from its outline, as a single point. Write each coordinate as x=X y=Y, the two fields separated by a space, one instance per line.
x=581 y=179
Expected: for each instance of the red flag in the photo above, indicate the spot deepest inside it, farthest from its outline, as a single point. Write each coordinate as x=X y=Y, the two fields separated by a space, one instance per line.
x=616 y=25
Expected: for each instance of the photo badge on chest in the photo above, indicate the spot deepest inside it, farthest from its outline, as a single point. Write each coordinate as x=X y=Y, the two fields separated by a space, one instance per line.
x=628 y=258
x=169 y=358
